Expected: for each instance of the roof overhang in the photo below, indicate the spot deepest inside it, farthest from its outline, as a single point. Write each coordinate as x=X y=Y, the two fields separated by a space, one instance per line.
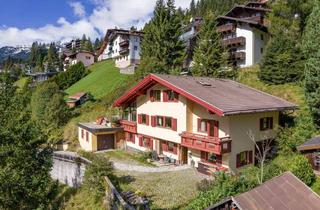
x=151 y=80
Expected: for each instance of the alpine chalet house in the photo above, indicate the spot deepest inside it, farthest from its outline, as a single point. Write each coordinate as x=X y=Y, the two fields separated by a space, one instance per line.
x=124 y=47
x=203 y=122
x=243 y=30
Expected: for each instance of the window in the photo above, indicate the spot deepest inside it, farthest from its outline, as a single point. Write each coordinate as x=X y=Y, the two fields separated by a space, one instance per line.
x=168 y=122
x=130 y=137
x=87 y=136
x=130 y=113
x=170 y=146
x=210 y=157
x=88 y=57
x=135 y=48
x=172 y=96
x=266 y=123
x=159 y=121
x=145 y=142
x=165 y=122
x=143 y=119
x=261 y=50
x=261 y=36
x=244 y=158
x=82 y=133
x=202 y=125
x=155 y=95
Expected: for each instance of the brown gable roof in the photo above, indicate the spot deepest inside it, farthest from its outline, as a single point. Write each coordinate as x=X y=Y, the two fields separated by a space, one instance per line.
x=221 y=96
x=285 y=192
x=311 y=144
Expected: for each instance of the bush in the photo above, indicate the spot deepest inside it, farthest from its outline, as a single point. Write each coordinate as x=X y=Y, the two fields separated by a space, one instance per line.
x=73 y=74
x=223 y=186
x=94 y=176
x=299 y=165
x=316 y=186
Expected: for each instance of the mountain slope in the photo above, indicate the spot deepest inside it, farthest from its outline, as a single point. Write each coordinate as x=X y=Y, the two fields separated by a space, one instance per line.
x=103 y=79
x=15 y=52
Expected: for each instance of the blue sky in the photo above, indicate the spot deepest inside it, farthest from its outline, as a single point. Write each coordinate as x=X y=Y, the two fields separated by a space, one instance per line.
x=25 y=21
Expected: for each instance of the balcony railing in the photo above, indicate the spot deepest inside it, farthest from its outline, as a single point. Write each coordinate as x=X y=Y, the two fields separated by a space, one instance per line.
x=124 y=43
x=240 y=41
x=226 y=28
x=215 y=145
x=124 y=51
x=129 y=126
x=238 y=55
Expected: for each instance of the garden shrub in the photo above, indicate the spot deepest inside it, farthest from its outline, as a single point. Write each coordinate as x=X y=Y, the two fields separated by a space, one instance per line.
x=316 y=186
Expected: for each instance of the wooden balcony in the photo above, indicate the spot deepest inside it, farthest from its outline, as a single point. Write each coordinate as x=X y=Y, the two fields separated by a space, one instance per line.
x=124 y=51
x=237 y=55
x=237 y=41
x=215 y=145
x=129 y=126
x=124 y=43
x=227 y=28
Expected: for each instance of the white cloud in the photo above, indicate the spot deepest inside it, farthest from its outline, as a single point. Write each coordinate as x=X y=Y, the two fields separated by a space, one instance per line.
x=107 y=14
x=78 y=9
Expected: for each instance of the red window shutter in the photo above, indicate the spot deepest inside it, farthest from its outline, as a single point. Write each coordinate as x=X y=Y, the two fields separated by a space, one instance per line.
x=165 y=96
x=140 y=141
x=174 y=124
x=164 y=146
x=216 y=129
x=271 y=122
x=147 y=119
x=151 y=96
x=208 y=127
x=87 y=136
x=175 y=149
x=176 y=97
x=153 y=121
x=203 y=156
x=82 y=133
x=151 y=144
x=133 y=138
x=199 y=124
x=261 y=124
x=139 y=118
x=238 y=164
x=250 y=157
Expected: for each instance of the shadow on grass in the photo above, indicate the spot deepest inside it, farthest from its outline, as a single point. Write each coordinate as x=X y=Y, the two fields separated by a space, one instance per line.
x=64 y=194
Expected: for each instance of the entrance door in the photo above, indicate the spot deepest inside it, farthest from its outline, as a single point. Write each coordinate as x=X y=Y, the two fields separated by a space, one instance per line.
x=184 y=155
x=105 y=141
x=213 y=128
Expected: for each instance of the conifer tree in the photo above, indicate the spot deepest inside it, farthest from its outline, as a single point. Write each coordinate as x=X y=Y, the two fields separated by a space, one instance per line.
x=25 y=159
x=209 y=56
x=161 y=43
x=311 y=48
x=283 y=59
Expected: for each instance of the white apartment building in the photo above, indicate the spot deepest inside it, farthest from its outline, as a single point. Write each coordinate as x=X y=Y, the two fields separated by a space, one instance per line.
x=123 y=46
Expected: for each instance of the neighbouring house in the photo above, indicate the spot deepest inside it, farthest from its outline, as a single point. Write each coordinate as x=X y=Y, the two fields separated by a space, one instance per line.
x=41 y=76
x=284 y=192
x=198 y=121
x=244 y=32
x=99 y=135
x=124 y=47
x=74 y=44
x=311 y=149
x=77 y=99
x=70 y=58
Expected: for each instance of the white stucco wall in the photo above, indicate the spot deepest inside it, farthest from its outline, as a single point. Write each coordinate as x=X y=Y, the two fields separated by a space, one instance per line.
x=245 y=30
x=259 y=43
x=86 y=58
x=240 y=125
x=86 y=145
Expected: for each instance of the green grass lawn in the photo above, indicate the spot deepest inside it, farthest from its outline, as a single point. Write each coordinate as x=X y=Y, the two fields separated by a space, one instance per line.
x=168 y=190
x=292 y=92
x=104 y=77
x=21 y=82
x=128 y=157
